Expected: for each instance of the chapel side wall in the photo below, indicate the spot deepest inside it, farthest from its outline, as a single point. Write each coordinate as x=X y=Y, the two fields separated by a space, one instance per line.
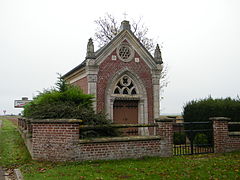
x=83 y=84
x=109 y=67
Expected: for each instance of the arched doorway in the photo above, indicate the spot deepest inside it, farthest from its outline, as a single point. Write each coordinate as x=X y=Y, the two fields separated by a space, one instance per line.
x=126 y=100
x=126 y=112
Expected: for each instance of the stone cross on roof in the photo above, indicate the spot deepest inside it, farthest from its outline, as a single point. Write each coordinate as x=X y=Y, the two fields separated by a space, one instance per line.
x=125 y=15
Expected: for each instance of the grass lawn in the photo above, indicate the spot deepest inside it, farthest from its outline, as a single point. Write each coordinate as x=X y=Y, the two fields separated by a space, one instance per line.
x=211 y=166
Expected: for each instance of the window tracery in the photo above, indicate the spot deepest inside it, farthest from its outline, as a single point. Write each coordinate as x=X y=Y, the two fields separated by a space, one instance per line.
x=126 y=86
x=125 y=52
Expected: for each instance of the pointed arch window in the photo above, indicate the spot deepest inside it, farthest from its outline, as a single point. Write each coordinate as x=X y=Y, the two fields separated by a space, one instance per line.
x=126 y=86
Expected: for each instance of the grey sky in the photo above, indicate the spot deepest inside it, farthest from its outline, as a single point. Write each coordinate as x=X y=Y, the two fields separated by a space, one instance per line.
x=200 y=39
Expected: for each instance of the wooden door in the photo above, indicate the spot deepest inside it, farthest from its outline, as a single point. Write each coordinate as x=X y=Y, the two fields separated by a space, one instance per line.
x=126 y=112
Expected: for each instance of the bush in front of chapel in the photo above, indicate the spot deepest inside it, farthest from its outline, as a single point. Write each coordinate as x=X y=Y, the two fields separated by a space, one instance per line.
x=69 y=102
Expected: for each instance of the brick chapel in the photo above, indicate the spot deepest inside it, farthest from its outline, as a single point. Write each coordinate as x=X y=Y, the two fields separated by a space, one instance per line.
x=124 y=78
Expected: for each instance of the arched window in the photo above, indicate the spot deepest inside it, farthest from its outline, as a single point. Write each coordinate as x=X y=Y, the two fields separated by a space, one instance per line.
x=126 y=86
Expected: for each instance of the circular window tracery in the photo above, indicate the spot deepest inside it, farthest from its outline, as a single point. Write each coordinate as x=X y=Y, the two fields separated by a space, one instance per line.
x=125 y=86
x=125 y=52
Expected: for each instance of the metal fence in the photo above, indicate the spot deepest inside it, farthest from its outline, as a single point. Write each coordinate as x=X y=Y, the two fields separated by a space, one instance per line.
x=192 y=138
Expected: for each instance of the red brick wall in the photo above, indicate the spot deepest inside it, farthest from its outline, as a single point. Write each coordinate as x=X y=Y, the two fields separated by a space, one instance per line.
x=223 y=142
x=234 y=143
x=119 y=150
x=60 y=142
x=54 y=141
x=109 y=67
x=165 y=131
x=83 y=84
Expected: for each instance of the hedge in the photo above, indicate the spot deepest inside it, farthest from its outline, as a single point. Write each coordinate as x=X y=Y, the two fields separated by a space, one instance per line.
x=201 y=110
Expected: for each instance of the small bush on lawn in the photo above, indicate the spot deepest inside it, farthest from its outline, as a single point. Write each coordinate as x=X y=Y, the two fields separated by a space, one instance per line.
x=179 y=138
x=200 y=139
x=69 y=102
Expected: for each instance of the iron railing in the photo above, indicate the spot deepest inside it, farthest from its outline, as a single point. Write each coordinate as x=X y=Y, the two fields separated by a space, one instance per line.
x=192 y=138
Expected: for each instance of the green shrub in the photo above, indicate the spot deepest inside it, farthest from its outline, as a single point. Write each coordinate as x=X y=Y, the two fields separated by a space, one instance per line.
x=200 y=139
x=68 y=102
x=203 y=109
x=179 y=138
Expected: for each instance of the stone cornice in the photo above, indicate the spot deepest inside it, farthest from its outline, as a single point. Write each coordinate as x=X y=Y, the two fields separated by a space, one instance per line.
x=53 y=121
x=119 y=139
x=164 y=120
x=219 y=119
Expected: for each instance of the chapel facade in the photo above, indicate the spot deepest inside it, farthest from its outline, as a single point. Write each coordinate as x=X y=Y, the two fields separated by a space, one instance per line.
x=123 y=77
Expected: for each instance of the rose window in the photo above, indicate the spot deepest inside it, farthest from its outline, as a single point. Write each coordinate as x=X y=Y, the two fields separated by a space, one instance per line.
x=125 y=86
x=124 y=52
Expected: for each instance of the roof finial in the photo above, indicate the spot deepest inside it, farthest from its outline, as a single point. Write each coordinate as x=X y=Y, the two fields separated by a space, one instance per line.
x=158 y=55
x=125 y=25
x=90 y=49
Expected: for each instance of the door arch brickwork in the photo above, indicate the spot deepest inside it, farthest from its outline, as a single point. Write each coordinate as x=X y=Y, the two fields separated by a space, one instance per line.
x=140 y=96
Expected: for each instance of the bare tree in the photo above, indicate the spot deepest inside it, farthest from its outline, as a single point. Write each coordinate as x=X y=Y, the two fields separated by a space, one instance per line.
x=108 y=28
x=164 y=78
x=140 y=31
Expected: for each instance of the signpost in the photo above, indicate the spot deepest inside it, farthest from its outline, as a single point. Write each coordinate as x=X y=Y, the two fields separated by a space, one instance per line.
x=21 y=103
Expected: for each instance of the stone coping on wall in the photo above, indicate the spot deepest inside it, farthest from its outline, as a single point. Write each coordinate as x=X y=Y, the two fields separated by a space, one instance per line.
x=117 y=126
x=119 y=139
x=164 y=120
x=234 y=123
x=234 y=133
x=219 y=119
x=40 y=121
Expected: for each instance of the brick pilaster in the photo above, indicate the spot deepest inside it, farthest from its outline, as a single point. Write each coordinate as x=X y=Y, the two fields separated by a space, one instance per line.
x=220 y=134
x=165 y=131
x=54 y=141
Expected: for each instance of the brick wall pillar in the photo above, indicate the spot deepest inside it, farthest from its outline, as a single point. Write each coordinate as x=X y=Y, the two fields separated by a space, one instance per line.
x=165 y=131
x=54 y=139
x=21 y=123
x=220 y=134
x=29 y=127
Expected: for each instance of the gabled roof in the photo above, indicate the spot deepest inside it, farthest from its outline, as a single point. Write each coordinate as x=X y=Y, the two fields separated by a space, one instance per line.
x=101 y=50
x=80 y=66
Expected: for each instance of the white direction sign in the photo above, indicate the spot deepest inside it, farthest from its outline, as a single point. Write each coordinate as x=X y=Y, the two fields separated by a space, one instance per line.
x=20 y=103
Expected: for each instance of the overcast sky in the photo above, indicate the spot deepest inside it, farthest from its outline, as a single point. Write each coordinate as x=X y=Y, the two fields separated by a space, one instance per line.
x=200 y=44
